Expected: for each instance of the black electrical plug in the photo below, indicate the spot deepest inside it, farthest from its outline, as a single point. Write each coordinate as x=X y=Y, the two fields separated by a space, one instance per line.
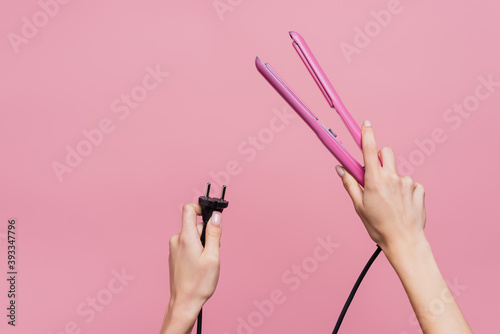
x=208 y=206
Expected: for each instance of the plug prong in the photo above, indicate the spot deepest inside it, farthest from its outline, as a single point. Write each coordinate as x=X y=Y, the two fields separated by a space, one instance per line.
x=223 y=193
x=207 y=193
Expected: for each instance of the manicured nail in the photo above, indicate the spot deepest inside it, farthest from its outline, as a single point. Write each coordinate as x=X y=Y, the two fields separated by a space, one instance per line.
x=340 y=171
x=216 y=218
x=367 y=123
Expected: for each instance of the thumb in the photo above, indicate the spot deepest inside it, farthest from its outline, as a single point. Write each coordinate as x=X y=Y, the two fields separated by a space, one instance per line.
x=352 y=186
x=213 y=233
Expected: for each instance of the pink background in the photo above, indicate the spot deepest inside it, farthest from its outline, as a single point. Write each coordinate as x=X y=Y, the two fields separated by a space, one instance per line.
x=119 y=206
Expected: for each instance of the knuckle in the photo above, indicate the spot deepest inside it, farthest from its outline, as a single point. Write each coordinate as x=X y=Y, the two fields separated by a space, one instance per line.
x=212 y=260
x=357 y=208
x=187 y=208
x=346 y=184
x=349 y=184
x=393 y=177
x=212 y=234
x=406 y=181
x=420 y=187
x=386 y=150
x=373 y=182
x=183 y=240
x=173 y=241
x=371 y=147
x=370 y=186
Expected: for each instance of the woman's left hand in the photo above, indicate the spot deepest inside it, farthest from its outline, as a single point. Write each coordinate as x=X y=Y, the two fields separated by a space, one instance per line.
x=194 y=270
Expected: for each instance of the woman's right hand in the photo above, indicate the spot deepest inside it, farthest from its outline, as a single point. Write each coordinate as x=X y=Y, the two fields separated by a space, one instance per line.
x=393 y=212
x=390 y=206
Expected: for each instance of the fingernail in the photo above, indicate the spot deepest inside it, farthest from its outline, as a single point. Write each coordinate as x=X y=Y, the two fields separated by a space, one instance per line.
x=367 y=123
x=216 y=218
x=340 y=171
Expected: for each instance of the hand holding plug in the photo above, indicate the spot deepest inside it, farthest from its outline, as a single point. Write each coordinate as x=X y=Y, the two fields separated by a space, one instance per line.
x=194 y=266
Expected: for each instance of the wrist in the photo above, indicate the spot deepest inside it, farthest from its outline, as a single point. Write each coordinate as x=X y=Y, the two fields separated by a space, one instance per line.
x=406 y=252
x=414 y=264
x=180 y=316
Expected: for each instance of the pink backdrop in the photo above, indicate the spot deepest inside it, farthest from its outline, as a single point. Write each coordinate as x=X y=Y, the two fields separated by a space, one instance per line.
x=168 y=94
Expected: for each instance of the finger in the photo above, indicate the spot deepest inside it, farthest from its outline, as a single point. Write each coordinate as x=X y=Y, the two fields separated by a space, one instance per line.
x=200 y=230
x=352 y=187
x=386 y=155
x=419 y=195
x=213 y=233
x=408 y=188
x=190 y=212
x=370 y=151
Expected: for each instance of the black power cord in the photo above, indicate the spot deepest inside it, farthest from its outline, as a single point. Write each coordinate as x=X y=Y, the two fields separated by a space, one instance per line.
x=208 y=206
x=355 y=288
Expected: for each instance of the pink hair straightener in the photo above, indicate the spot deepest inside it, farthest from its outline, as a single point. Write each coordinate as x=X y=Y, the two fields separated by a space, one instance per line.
x=327 y=136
